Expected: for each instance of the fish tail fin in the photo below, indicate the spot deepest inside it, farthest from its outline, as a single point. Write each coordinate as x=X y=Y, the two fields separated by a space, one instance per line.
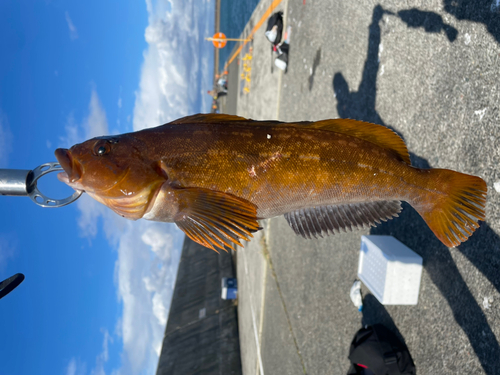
x=452 y=213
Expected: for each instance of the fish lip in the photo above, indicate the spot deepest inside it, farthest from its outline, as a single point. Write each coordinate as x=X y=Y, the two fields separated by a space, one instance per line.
x=70 y=165
x=63 y=177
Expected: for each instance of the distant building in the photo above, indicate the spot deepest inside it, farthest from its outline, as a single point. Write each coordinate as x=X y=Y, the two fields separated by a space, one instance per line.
x=201 y=336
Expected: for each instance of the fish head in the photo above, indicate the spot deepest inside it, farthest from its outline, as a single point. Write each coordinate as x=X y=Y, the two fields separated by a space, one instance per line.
x=115 y=171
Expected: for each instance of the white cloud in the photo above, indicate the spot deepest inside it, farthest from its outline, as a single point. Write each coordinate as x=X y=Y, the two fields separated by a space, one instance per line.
x=103 y=357
x=120 y=98
x=90 y=211
x=72 y=135
x=94 y=125
x=7 y=250
x=106 y=340
x=145 y=273
x=176 y=64
x=71 y=369
x=148 y=256
x=89 y=221
x=73 y=32
x=174 y=75
x=76 y=367
x=6 y=140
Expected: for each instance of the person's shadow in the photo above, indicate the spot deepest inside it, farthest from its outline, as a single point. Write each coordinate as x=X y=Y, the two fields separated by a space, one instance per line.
x=483 y=11
x=431 y=22
x=360 y=105
x=482 y=249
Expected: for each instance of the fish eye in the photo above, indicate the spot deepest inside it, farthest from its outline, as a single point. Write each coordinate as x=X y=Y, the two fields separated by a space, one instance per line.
x=101 y=148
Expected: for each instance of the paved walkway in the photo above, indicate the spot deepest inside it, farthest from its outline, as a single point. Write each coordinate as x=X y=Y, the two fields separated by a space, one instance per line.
x=429 y=70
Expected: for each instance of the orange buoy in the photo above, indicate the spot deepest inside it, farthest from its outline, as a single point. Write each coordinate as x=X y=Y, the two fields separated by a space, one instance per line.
x=219 y=40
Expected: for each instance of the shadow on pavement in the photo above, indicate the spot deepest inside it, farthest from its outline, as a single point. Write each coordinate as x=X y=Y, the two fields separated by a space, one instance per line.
x=410 y=228
x=430 y=21
x=316 y=61
x=375 y=313
x=444 y=273
x=483 y=11
x=360 y=105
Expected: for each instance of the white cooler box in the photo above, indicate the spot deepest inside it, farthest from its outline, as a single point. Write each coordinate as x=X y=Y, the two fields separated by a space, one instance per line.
x=390 y=270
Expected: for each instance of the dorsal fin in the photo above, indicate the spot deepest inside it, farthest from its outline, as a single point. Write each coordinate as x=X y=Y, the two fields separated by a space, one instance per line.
x=209 y=118
x=376 y=134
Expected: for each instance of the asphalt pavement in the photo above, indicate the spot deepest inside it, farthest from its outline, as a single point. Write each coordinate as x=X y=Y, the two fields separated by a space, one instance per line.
x=430 y=70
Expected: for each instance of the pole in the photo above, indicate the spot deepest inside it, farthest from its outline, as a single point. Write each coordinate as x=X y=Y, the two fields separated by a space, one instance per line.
x=224 y=39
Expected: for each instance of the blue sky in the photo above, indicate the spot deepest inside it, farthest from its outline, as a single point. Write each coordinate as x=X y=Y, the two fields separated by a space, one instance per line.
x=98 y=287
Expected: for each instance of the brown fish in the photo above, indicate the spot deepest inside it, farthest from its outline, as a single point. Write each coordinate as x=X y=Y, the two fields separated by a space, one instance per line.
x=216 y=175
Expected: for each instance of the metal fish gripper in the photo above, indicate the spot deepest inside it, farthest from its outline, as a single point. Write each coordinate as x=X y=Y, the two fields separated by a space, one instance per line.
x=22 y=182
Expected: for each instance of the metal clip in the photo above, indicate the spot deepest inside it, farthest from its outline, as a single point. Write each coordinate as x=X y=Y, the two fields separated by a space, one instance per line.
x=42 y=200
x=17 y=182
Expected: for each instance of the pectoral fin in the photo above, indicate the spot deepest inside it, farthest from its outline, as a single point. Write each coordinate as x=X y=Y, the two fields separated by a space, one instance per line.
x=325 y=220
x=214 y=219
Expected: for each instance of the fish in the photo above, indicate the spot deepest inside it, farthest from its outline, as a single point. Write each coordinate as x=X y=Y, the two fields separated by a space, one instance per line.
x=215 y=176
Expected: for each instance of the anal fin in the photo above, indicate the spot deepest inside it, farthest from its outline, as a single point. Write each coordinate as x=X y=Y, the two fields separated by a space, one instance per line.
x=325 y=220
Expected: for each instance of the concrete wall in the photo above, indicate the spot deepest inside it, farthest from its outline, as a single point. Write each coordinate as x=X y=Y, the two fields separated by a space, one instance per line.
x=201 y=341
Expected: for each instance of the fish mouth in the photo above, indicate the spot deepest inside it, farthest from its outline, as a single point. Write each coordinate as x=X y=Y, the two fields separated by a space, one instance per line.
x=72 y=168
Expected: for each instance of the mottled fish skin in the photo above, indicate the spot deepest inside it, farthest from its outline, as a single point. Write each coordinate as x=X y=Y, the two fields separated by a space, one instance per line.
x=176 y=171
x=280 y=169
